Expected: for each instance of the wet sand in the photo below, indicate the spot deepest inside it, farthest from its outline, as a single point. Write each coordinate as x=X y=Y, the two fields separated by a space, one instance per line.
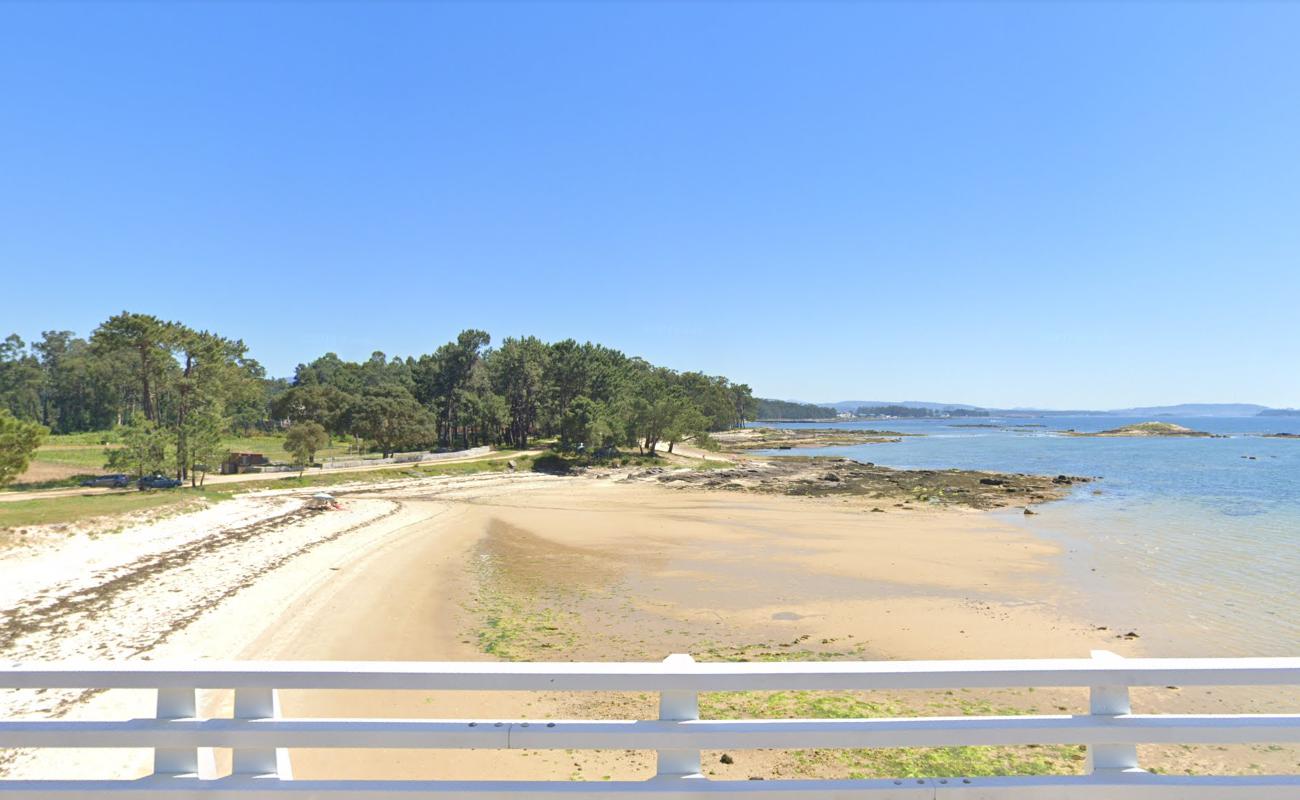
x=598 y=570
x=543 y=568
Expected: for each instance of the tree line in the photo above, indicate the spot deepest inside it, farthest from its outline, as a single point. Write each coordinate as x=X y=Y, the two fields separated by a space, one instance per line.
x=909 y=412
x=172 y=392
x=468 y=393
x=788 y=409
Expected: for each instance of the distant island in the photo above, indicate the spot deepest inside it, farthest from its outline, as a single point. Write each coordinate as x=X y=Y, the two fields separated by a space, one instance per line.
x=790 y=411
x=1142 y=429
x=914 y=412
x=847 y=410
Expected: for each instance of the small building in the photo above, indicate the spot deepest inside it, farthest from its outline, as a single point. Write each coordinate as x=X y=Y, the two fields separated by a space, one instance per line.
x=237 y=463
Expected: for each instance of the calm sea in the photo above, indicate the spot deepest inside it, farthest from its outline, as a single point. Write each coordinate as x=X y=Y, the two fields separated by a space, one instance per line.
x=1193 y=543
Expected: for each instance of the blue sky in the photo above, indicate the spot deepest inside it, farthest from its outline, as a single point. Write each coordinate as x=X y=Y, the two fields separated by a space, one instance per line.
x=1089 y=205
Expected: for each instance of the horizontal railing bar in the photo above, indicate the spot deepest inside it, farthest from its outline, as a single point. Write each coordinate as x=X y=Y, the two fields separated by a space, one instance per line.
x=655 y=676
x=1121 y=786
x=655 y=734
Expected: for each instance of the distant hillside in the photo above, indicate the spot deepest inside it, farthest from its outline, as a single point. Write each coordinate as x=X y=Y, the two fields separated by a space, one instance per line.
x=1180 y=410
x=914 y=412
x=1193 y=410
x=854 y=405
x=786 y=409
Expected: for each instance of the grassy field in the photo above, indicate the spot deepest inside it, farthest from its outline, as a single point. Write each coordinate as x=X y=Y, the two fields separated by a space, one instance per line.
x=92 y=458
x=312 y=478
x=56 y=510
x=67 y=459
x=272 y=446
x=80 y=439
x=88 y=448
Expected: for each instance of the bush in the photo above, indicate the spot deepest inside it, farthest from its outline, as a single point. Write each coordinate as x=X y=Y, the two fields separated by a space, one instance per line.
x=552 y=464
x=706 y=442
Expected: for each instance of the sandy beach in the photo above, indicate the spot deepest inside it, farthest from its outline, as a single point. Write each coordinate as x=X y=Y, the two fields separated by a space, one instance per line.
x=540 y=567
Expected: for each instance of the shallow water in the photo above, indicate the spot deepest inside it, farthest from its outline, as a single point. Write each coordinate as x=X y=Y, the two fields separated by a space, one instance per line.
x=1189 y=542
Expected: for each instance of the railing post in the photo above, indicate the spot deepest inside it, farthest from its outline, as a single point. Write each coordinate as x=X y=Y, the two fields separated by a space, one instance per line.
x=1110 y=700
x=270 y=762
x=181 y=704
x=678 y=706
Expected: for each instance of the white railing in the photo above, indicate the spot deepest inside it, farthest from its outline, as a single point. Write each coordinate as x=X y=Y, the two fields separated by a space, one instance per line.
x=260 y=736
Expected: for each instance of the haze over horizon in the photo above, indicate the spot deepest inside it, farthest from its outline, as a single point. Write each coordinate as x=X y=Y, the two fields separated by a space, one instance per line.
x=1050 y=206
x=1132 y=406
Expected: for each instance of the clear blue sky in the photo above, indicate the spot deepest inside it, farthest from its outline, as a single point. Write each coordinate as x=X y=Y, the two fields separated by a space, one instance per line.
x=1014 y=204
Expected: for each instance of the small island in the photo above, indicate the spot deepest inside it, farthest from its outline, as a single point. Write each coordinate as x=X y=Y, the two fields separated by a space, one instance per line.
x=1147 y=429
x=1281 y=435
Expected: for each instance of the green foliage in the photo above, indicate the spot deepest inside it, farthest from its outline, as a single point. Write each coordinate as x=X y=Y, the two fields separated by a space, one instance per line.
x=704 y=441
x=21 y=379
x=686 y=422
x=186 y=382
x=517 y=370
x=148 y=340
x=143 y=451
x=784 y=409
x=204 y=450
x=18 y=443
x=314 y=402
x=304 y=439
x=580 y=424
x=553 y=464
x=78 y=508
x=391 y=418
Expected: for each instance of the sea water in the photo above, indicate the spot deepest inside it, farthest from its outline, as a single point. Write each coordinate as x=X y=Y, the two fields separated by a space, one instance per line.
x=1193 y=543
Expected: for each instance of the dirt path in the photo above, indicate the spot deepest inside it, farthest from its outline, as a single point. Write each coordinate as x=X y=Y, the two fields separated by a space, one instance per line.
x=252 y=477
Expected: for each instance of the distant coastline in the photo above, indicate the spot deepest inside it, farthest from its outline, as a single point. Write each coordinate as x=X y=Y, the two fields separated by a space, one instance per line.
x=800 y=411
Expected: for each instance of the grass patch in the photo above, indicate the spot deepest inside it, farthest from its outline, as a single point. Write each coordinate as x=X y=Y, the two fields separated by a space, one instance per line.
x=271 y=445
x=91 y=457
x=87 y=449
x=52 y=510
x=55 y=510
x=511 y=627
x=901 y=762
x=794 y=650
x=312 y=478
x=511 y=632
x=71 y=481
x=84 y=438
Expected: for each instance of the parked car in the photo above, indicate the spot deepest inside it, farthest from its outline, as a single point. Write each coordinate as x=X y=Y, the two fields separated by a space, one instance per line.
x=117 y=481
x=157 y=481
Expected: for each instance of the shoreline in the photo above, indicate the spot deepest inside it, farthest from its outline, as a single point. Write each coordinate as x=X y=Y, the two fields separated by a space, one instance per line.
x=558 y=568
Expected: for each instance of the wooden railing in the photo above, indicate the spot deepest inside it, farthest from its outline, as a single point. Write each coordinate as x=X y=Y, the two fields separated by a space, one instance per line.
x=260 y=737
